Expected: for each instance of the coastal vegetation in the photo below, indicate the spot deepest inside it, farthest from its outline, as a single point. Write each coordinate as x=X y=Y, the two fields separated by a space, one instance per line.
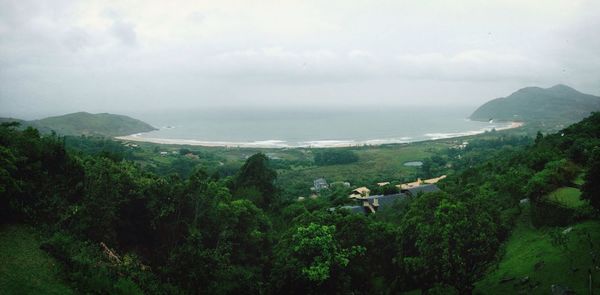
x=112 y=218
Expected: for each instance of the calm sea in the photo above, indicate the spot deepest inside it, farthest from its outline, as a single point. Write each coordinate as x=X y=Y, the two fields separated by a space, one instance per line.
x=314 y=126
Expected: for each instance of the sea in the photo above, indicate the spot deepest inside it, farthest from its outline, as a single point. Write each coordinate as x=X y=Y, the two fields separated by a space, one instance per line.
x=311 y=126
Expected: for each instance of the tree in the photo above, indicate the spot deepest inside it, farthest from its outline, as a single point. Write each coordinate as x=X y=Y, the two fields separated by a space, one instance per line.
x=107 y=186
x=256 y=174
x=8 y=185
x=335 y=157
x=554 y=175
x=226 y=252
x=311 y=260
x=446 y=240
x=314 y=245
x=591 y=187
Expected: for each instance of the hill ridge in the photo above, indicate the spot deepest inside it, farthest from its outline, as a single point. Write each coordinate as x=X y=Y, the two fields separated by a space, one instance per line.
x=85 y=123
x=559 y=103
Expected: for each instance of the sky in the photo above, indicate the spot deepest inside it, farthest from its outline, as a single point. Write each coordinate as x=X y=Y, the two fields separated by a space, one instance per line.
x=136 y=56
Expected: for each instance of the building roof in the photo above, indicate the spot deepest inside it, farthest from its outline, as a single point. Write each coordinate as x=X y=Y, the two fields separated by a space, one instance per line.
x=434 y=180
x=362 y=190
x=370 y=204
x=426 y=188
x=386 y=200
x=405 y=186
x=419 y=182
x=320 y=181
x=383 y=183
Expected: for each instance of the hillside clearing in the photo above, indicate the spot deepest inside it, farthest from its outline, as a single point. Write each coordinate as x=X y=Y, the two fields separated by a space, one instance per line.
x=567 y=196
x=24 y=268
x=536 y=259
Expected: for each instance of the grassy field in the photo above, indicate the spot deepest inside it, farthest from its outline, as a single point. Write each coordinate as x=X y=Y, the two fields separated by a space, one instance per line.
x=24 y=268
x=534 y=260
x=375 y=164
x=567 y=196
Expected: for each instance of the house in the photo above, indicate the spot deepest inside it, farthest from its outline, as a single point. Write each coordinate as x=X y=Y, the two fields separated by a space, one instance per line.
x=434 y=180
x=421 y=189
x=360 y=192
x=374 y=203
x=461 y=146
x=164 y=153
x=420 y=182
x=320 y=184
x=406 y=186
x=371 y=204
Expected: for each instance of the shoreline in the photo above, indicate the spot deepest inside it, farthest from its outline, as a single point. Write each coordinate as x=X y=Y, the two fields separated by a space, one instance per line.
x=270 y=144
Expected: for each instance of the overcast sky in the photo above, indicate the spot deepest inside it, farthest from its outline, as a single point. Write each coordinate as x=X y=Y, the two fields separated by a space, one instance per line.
x=131 y=56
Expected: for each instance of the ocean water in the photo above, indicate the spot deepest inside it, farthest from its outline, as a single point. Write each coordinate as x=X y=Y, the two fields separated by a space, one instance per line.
x=316 y=127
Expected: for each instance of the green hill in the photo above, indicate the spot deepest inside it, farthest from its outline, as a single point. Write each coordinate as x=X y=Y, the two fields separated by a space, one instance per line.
x=83 y=123
x=559 y=103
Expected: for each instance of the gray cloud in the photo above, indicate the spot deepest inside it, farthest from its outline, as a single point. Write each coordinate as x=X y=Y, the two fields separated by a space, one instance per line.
x=124 y=32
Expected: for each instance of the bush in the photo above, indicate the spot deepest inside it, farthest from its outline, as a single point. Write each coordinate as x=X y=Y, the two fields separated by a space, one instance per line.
x=90 y=272
x=335 y=157
x=545 y=213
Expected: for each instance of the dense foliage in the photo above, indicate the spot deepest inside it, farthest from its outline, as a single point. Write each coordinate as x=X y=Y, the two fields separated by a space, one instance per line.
x=119 y=227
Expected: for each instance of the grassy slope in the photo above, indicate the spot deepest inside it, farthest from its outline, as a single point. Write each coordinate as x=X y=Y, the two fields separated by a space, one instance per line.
x=528 y=246
x=24 y=268
x=567 y=196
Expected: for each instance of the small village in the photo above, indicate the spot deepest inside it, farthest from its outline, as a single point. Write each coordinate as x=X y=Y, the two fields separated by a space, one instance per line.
x=365 y=203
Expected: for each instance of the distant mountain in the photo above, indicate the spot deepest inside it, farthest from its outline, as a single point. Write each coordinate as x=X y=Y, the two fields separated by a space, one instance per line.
x=559 y=103
x=83 y=123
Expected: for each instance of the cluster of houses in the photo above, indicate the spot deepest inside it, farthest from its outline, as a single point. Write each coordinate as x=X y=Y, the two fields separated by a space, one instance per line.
x=367 y=204
x=130 y=145
x=321 y=184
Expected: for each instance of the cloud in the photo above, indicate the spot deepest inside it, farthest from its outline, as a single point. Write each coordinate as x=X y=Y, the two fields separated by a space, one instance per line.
x=76 y=39
x=474 y=65
x=124 y=32
x=121 y=30
x=95 y=55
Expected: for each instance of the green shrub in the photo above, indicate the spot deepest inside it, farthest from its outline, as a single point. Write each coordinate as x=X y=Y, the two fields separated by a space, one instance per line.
x=335 y=157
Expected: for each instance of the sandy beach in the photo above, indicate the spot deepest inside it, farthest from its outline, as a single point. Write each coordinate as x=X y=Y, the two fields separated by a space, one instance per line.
x=139 y=137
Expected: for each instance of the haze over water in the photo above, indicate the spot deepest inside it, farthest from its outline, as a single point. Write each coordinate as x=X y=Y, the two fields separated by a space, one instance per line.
x=318 y=127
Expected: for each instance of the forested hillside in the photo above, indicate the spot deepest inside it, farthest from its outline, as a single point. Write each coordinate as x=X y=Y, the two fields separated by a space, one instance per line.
x=83 y=123
x=557 y=104
x=117 y=227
